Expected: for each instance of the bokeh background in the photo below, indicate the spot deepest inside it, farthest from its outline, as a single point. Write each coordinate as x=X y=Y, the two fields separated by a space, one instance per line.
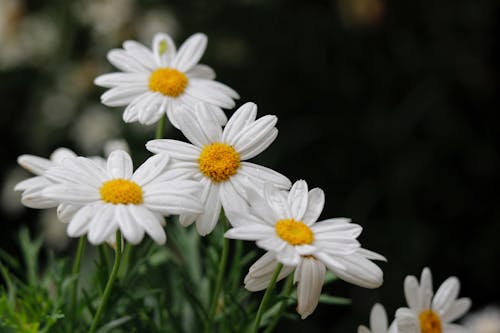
x=389 y=106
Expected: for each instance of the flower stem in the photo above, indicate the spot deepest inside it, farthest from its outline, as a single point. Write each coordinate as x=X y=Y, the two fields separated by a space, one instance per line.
x=220 y=277
x=160 y=127
x=265 y=298
x=109 y=284
x=74 y=272
x=285 y=294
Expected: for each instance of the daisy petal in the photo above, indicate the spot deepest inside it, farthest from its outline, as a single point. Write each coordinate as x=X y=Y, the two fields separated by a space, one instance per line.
x=120 y=164
x=310 y=276
x=201 y=71
x=163 y=49
x=132 y=232
x=190 y=52
x=149 y=222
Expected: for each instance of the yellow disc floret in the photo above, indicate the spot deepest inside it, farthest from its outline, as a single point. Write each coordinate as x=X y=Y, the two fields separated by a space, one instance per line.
x=294 y=232
x=430 y=322
x=121 y=191
x=168 y=81
x=219 y=161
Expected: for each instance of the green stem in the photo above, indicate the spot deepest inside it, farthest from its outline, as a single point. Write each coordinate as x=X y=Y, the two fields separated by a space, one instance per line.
x=265 y=298
x=287 y=289
x=160 y=127
x=220 y=277
x=74 y=273
x=109 y=284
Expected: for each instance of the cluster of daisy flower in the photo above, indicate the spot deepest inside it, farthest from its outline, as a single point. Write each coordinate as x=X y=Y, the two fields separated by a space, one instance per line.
x=210 y=177
x=426 y=312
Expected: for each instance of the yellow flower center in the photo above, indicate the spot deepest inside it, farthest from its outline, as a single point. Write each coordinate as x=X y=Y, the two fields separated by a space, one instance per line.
x=430 y=322
x=168 y=81
x=219 y=161
x=294 y=232
x=121 y=191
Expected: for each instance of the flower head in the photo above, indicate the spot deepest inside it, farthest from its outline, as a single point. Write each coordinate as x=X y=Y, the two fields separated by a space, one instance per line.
x=284 y=224
x=115 y=198
x=217 y=158
x=163 y=80
x=378 y=322
x=429 y=313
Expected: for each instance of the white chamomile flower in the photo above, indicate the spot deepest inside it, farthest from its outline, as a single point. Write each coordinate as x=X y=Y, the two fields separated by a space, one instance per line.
x=116 y=198
x=378 y=322
x=217 y=158
x=31 y=188
x=284 y=223
x=428 y=314
x=163 y=80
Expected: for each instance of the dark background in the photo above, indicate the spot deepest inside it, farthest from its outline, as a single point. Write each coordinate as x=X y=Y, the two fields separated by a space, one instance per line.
x=389 y=106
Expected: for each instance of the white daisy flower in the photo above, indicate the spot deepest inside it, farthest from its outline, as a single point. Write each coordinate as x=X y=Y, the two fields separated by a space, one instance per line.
x=31 y=188
x=428 y=314
x=284 y=223
x=378 y=322
x=217 y=158
x=115 y=198
x=163 y=80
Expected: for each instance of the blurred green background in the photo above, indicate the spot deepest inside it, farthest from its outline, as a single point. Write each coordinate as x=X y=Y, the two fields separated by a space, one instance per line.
x=389 y=106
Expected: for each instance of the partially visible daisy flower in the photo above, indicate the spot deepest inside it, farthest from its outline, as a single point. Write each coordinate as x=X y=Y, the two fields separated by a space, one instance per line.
x=486 y=320
x=378 y=322
x=217 y=158
x=284 y=223
x=116 y=198
x=31 y=188
x=429 y=313
x=163 y=80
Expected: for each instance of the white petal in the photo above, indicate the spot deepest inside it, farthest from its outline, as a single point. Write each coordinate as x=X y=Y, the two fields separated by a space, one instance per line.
x=190 y=52
x=201 y=72
x=406 y=321
x=122 y=95
x=103 y=224
x=164 y=49
x=149 y=222
x=71 y=194
x=378 y=319
x=125 y=62
x=445 y=295
x=150 y=169
x=254 y=134
x=78 y=225
x=411 y=290
x=211 y=92
x=250 y=232
x=112 y=80
x=456 y=310
x=310 y=276
x=206 y=222
x=298 y=199
x=244 y=116
x=314 y=206
x=426 y=292
x=66 y=212
x=34 y=164
x=60 y=154
x=131 y=230
x=262 y=175
x=141 y=54
x=177 y=149
x=120 y=165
